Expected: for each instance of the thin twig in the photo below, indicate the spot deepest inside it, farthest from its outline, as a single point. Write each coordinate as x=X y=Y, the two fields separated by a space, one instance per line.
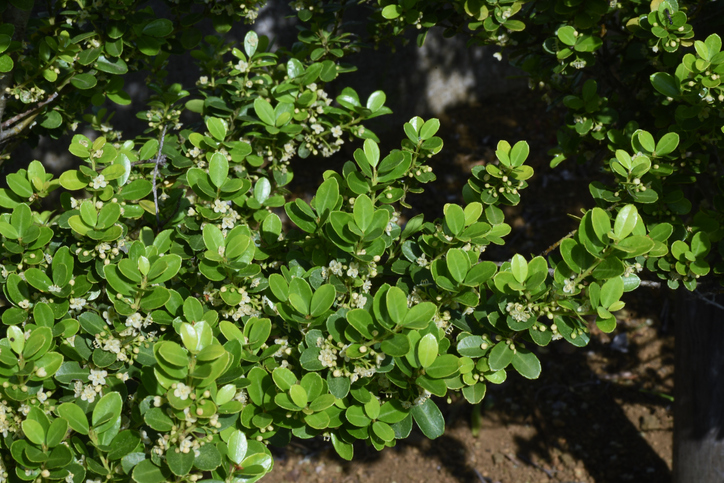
x=160 y=158
x=555 y=245
x=17 y=128
x=40 y=105
x=650 y=284
x=534 y=464
x=701 y=297
x=481 y=477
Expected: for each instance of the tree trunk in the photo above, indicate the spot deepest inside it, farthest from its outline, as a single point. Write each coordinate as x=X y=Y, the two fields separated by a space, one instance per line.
x=699 y=391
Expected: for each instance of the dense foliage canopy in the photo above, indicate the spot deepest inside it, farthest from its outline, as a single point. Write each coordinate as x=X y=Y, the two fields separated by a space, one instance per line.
x=176 y=311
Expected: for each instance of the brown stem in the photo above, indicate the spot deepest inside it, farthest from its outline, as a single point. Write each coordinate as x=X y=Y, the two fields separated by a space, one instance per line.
x=17 y=128
x=40 y=105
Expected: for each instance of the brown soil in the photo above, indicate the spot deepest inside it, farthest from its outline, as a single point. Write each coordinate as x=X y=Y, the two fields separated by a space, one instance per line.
x=598 y=414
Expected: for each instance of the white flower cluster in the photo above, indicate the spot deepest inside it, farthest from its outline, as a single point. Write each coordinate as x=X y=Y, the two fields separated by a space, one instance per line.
x=569 y=286
x=518 y=311
x=8 y=422
x=86 y=392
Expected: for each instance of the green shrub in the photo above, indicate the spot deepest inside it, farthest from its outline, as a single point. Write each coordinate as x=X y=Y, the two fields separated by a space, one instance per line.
x=166 y=323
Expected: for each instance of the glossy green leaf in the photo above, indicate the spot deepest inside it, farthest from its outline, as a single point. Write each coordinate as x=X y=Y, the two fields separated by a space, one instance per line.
x=526 y=363
x=34 y=431
x=519 y=153
x=427 y=350
x=264 y=111
x=218 y=129
x=611 y=291
x=157 y=419
x=106 y=411
x=326 y=198
x=519 y=267
x=396 y=304
x=475 y=393
x=147 y=472
x=458 y=264
x=419 y=316
x=218 y=169
x=667 y=144
x=322 y=300
x=500 y=356
x=429 y=419
x=397 y=346
x=344 y=450
x=238 y=446
x=56 y=432
x=665 y=84
x=626 y=220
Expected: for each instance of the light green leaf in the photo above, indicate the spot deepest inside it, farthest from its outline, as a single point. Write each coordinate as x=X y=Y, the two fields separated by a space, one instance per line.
x=667 y=144
x=237 y=446
x=519 y=267
x=500 y=356
x=34 y=431
x=107 y=411
x=264 y=111
x=363 y=211
x=611 y=292
x=218 y=128
x=626 y=220
x=326 y=198
x=519 y=153
x=219 y=169
x=322 y=300
x=147 y=472
x=396 y=304
x=427 y=350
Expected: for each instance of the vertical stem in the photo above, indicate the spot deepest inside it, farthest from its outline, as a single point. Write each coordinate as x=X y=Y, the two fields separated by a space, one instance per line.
x=699 y=391
x=159 y=159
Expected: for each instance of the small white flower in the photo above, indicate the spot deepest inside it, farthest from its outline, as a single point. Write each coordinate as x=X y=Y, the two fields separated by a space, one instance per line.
x=185 y=445
x=336 y=131
x=220 y=206
x=182 y=391
x=77 y=303
x=498 y=56
x=112 y=345
x=569 y=286
x=99 y=182
x=335 y=267
x=54 y=288
x=227 y=222
x=25 y=304
x=353 y=270
x=88 y=394
x=327 y=357
x=78 y=388
x=98 y=378
x=135 y=321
